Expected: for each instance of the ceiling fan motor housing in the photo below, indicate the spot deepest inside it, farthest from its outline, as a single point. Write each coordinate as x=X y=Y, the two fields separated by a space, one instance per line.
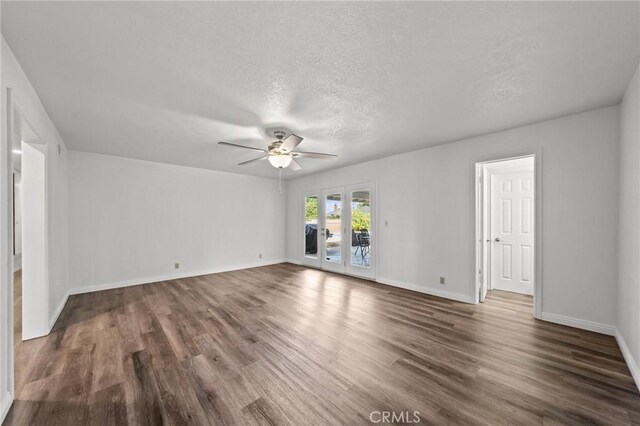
x=279 y=134
x=274 y=146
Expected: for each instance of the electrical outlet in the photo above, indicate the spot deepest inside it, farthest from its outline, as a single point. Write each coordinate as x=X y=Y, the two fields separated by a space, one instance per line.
x=177 y=265
x=260 y=256
x=442 y=280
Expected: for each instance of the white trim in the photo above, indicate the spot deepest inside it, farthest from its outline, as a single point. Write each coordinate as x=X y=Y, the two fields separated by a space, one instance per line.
x=6 y=260
x=609 y=330
x=631 y=363
x=6 y=402
x=428 y=290
x=58 y=311
x=17 y=262
x=400 y=284
x=174 y=276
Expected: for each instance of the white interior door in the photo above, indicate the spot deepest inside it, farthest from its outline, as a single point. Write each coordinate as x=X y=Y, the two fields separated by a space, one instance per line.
x=331 y=237
x=17 y=214
x=35 y=320
x=512 y=233
x=361 y=232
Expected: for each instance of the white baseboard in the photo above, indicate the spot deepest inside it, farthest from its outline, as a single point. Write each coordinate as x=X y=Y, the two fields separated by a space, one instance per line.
x=5 y=405
x=428 y=290
x=579 y=323
x=174 y=276
x=420 y=289
x=631 y=363
x=56 y=314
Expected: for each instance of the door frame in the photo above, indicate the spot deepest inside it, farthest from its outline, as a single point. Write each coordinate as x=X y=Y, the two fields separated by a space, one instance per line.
x=11 y=113
x=7 y=389
x=481 y=256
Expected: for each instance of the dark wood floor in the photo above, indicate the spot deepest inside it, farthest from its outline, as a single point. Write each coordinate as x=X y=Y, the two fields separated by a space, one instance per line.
x=21 y=357
x=285 y=344
x=17 y=304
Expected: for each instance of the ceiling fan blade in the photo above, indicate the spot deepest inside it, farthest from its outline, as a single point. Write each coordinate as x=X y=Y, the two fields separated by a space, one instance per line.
x=290 y=142
x=251 y=161
x=313 y=154
x=241 y=146
x=294 y=166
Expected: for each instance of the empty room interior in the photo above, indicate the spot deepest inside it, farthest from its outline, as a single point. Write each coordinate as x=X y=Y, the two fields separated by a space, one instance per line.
x=320 y=213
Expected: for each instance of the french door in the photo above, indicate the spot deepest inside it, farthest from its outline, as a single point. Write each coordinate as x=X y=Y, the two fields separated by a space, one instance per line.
x=361 y=230
x=339 y=232
x=333 y=230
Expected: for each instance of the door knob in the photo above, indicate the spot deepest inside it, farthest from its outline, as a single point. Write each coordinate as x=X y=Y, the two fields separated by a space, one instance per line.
x=497 y=240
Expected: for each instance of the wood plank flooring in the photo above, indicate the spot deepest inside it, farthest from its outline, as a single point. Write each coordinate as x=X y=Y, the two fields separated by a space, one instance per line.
x=22 y=355
x=285 y=344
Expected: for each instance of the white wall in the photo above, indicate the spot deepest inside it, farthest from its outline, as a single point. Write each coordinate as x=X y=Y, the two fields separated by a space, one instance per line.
x=27 y=101
x=427 y=197
x=132 y=220
x=629 y=275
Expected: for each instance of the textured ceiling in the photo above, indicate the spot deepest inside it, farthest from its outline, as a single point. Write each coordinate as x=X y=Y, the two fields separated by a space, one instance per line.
x=167 y=81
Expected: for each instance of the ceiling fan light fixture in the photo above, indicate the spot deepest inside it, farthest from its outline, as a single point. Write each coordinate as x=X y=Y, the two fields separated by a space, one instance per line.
x=280 y=161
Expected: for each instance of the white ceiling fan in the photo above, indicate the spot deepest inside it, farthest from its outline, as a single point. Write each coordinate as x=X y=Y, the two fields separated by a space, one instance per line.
x=280 y=153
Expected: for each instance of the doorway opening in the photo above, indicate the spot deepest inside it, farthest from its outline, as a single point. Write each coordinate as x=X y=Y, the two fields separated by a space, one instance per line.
x=507 y=214
x=29 y=211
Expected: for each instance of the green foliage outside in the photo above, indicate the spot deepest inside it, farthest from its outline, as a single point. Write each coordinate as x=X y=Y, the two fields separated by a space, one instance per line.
x=311 y=209
x=360 y=220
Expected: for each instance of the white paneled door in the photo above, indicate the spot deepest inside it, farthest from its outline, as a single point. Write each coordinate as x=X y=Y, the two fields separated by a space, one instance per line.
x=512 y=234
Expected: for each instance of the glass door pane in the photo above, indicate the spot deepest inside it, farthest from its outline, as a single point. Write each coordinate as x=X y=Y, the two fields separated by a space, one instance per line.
x=311 y=227
x=333 y=228
x=361 y=228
